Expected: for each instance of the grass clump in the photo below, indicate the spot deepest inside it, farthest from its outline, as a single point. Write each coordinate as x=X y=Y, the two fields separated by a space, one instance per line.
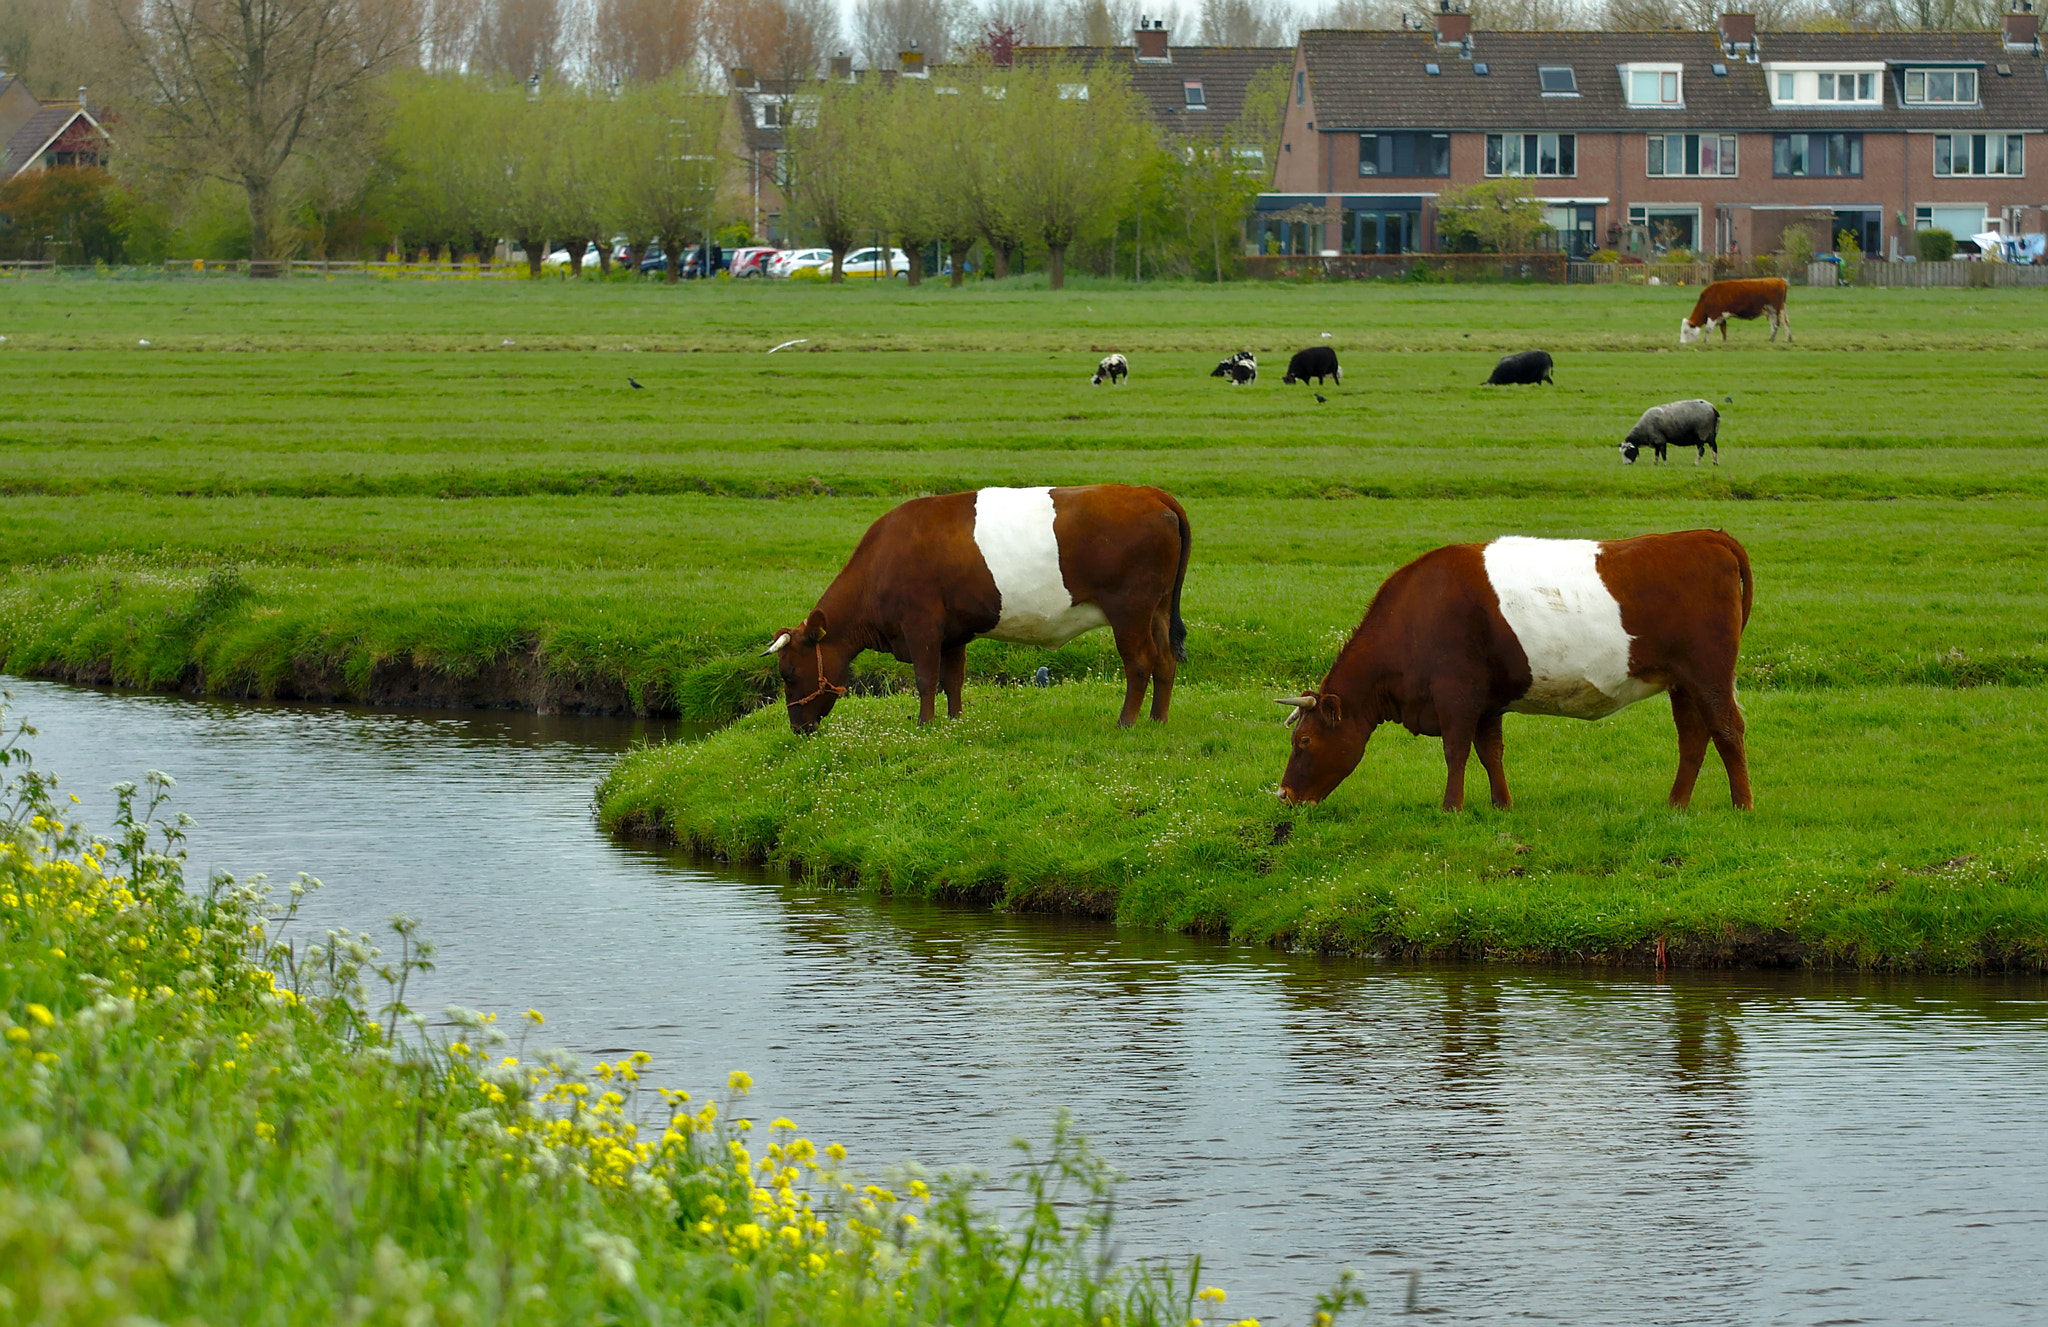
x=207 y=1119
x=1033 y=801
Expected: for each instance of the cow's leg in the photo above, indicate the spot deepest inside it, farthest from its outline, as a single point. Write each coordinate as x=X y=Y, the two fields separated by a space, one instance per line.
x=1724 y=723
x=1492 y=750
x=1164 y=666
x=1134 y=647
x=1785 y=317
x=925 y=662
x=953 y=676
x=1692 y=745
x=1459 y=732
x=1724 y=329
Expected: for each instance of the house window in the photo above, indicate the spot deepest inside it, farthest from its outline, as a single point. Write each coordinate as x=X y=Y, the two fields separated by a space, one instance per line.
x=1980 y=154
x=1073 y=92
x=1941 y=87
x=1558 y=81
x=1532 y=154
x=1654 y=86
x=1799 y=155
x=1196 y=101
x=771 y=115
x=1404 y=154
x=1691 y=154
x=1300 y=86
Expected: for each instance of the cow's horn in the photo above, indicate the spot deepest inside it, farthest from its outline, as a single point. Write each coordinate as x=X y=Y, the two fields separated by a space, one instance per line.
x=1305 y=701
x=782 y=639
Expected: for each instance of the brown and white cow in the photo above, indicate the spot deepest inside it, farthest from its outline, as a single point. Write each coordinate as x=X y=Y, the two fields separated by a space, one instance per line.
x=1751 y=297
x=1034 y=566
x=1572 y=627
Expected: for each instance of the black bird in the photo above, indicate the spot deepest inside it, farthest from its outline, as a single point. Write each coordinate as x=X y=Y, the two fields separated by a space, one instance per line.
x=1321 y=399
x=1043 y=677
x=1729 y=400
x=635 y=384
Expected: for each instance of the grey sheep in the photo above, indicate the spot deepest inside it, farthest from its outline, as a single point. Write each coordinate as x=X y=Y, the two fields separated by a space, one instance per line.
x=1695 y=424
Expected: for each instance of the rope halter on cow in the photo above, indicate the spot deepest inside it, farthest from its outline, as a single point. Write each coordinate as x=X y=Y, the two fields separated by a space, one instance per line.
x=782 y=641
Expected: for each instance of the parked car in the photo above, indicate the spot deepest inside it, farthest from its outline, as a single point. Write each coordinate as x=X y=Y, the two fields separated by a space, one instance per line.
x=789 y=260
x=750 y=261
x=870 y=263
x=693 y=261
x=558 y=261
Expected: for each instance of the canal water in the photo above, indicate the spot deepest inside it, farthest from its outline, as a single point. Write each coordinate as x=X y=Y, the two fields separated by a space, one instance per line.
x=1492 y=1144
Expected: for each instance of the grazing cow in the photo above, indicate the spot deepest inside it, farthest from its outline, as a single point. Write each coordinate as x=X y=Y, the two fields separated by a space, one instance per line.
x=1113 y=367
x=1751 y=297
x=1527 y=367
x=1315 y=362
x=1034 y=566
x=1695 y=424
x=1240 y=368
x=1571 y=627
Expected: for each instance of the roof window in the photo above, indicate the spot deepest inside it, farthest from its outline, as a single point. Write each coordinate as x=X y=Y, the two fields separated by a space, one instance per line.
x=1941 y=87
x=1432 y=69
x=1481 y=69
x=1720 y=70
x=1558 y=80
x=1197 y=100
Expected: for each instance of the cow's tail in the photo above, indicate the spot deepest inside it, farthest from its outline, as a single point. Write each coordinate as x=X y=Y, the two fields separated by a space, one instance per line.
x=1742 y=569
x=1177 y=630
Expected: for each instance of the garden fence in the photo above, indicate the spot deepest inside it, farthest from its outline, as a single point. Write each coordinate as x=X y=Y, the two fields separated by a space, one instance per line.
x=1641 y=274
x=1955 y=273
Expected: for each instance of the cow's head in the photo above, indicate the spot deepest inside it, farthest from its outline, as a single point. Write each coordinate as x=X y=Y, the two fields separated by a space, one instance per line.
x=799 y=656
x=1687 y=333
x=1223 y=370
x=1327 y=747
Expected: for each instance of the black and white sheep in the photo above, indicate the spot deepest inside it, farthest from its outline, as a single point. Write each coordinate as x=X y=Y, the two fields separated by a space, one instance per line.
x=1524 y=367
x=1316 y=362
x=1113 y=367
x=1240 y=368
x=1695 y=424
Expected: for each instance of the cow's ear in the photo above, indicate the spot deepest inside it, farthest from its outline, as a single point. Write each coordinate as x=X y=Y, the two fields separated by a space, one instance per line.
x=813 y=629
x=1330 y=709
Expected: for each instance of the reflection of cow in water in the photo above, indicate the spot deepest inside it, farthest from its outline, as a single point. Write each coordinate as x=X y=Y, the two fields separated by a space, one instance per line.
x=1751 y=297
x=1035 y=566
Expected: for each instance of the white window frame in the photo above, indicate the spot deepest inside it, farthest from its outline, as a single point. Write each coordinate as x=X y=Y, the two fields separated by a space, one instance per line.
x=1725 y=149
x=1568 y=71
x=1805 y=78
x=2008 y=142
x=1676 y=72
x=1520 y=149
x=1906 y=84
x=1192 y=94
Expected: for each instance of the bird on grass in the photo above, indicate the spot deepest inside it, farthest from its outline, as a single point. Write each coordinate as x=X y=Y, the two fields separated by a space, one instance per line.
x=1043 y=677
x=1728 y=400
x=1321 y=399
x=634 y=383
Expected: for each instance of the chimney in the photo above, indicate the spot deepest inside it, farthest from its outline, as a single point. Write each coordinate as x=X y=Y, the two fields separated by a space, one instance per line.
x=911 y=62
x=2022 y=28
x=81 y=99
x=743 y=79
x=1738 y=31
x=1151 y=40
x=842 y=69
x=1452 y=27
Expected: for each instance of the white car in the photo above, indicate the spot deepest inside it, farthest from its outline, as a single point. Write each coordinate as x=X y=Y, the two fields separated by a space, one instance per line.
x=558 y=261
x=782 y=264
x=868 y=263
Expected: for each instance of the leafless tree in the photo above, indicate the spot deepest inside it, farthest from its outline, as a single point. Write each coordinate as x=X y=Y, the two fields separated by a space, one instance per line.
x=644 y=41
x=884 y=28
x=237 y=90
x=59 y=45
x=1360 y=15
x=777 y=39
x=1249 y=22
x=518 y=38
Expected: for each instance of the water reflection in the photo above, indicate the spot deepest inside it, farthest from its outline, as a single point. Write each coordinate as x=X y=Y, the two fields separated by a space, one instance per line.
x=1714 y=1148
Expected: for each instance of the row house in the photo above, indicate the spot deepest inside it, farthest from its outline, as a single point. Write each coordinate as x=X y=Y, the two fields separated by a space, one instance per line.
x=1190 y=93
x=1711 y=141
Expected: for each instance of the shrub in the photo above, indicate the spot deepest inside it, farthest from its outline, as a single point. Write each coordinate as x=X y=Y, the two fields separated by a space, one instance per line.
x=1851 y=253
x=1500 y=215
x=1936 y=246
x=1797 y=244
x=1603 y=256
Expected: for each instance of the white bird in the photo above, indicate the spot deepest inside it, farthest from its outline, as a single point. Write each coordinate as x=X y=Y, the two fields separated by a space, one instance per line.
x=142 y=343
x=506 y=342
x=787 y=344
x=1326 y=336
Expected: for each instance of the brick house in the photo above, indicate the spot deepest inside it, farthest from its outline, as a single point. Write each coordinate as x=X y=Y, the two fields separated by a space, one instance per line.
x=36 y=134
x=1191 y=92
x=1714 y=141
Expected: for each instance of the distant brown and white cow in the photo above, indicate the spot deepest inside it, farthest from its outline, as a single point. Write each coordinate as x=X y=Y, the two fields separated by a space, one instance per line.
x=1034 y=566
x=1572 y=627
x=1751 y=297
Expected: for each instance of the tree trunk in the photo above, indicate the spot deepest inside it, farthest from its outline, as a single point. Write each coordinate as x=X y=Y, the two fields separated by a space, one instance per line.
x=604 y=260
x=259 y=223
x=915 y=276
x=957 y=251
x=636 y=254
x=1056 y=265
x=838 y=261
x=1216 y=237
x=536 y=254
x=672 y=249
x=999 y=259
x=576 y=244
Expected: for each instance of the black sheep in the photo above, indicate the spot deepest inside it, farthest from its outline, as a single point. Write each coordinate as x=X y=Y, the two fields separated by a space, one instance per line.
x=1525 y=367
x=1316 y=362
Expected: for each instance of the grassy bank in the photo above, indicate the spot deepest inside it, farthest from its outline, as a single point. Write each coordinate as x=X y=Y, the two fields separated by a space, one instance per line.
x=1865 y=849
x=205 y=1119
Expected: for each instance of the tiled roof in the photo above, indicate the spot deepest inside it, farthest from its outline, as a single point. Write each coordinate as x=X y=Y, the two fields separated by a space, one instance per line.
x=1223 y=71
x=28 y=141
x=1377 y=80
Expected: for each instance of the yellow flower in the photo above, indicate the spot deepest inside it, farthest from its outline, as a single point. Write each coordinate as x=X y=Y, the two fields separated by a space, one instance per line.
x=17 y=1034
x=740 y=1082
x=533 y=1017
x=835 y=1151
x=782 y=1122
x=1213 y=1294
x=42 y=1015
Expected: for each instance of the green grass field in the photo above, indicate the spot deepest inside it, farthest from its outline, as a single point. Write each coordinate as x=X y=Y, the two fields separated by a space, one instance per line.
x=341 y=488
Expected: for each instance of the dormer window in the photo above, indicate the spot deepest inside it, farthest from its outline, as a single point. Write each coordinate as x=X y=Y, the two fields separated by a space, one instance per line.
x=1804 y=85
x=1941 y=87
x=1558 y=81
x=1654 y=86
x=1195 y=97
